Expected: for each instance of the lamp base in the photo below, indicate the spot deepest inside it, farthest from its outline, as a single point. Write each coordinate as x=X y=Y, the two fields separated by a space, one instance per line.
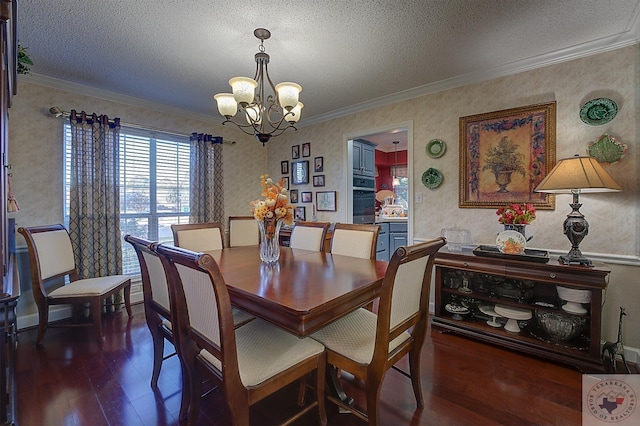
x=576 y=228
x=575 y=257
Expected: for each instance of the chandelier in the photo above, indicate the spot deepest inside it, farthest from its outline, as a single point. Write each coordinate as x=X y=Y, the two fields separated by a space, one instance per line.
x=266 y=114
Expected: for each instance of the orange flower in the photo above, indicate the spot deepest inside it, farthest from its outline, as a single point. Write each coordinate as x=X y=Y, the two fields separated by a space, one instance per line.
x=275 y=205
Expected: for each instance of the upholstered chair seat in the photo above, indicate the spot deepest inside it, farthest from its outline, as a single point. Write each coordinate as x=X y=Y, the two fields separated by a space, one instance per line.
x=51 y=257
x=367 y=344
x=247 y=363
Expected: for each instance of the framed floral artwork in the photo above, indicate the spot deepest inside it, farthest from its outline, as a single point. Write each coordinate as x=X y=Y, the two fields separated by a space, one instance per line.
x=505 y=154
x=295 y=152
x=293 y=195
x=326 y=201
x=307 y=197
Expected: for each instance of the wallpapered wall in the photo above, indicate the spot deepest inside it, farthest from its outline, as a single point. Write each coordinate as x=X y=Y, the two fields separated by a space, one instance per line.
x=614 y=217
x=35 y=152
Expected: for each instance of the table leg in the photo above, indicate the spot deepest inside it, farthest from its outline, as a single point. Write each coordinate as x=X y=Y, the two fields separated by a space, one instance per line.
x=334 y=381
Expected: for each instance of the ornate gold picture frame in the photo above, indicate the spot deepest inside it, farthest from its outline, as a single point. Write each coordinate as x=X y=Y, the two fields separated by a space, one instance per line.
x=505 y=154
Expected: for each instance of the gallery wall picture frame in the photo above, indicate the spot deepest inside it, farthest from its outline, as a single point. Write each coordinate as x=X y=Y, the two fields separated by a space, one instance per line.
x=326 y=201
x=285 y=182
x=295 y=152
x=293 y=195
x=505 y=154
x=318 y=164
x=306 y=149
x=318 y=180
x=300 y=213
x=284 y=167
x=306 y=197
x=300 y=172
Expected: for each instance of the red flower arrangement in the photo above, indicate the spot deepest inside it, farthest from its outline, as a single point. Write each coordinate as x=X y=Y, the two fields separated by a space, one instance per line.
x=516 y=214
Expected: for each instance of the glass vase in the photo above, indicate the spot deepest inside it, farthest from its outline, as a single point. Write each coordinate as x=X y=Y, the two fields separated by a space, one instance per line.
x=269 y=240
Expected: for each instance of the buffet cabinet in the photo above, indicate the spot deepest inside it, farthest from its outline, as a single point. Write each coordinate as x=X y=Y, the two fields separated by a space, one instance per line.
x=478 y=297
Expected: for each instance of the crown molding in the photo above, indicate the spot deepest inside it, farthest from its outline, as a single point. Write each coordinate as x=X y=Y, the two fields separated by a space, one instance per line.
x=628 y=38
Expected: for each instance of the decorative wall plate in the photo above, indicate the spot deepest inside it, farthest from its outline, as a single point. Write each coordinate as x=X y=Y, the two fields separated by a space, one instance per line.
x=432 y=178
x=436 y=148
x=607 y=149
x=598 y=111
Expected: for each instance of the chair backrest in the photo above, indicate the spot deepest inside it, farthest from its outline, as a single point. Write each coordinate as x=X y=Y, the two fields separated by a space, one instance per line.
x=198 y=236
x=200 y=307
x=50 y=253
x=154 y=280
x=355 y=240
x=404 y=297
x=243 y=231
x=309 y=235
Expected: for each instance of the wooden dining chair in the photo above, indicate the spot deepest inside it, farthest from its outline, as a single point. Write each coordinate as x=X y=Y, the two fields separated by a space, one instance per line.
x=51 y=259
x=155 y=292
x=258 y=358
x=198 y=236
x=309 y=235
x=355 y=240
x=243 y=231
x=367 y=345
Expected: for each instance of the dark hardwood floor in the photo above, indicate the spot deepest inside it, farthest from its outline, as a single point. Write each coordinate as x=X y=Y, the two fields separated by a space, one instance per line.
x=74 y=380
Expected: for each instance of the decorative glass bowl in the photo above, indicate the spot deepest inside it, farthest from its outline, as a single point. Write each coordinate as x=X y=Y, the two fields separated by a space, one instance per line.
x=560 y=327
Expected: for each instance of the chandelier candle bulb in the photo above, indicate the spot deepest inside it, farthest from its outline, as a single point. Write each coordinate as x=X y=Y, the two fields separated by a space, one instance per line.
x=294 y=114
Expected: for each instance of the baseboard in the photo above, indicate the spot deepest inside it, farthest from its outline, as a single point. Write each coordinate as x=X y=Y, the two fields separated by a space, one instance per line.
x=59 y=313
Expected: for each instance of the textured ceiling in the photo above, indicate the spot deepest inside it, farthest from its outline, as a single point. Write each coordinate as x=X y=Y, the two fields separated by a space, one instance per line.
x=347 y=55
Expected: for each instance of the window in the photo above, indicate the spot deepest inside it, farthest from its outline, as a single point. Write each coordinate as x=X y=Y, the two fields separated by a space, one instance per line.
x=154 y=186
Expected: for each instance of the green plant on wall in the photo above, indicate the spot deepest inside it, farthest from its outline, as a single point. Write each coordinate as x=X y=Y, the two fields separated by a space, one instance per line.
x=23 y=60
x=503 y=160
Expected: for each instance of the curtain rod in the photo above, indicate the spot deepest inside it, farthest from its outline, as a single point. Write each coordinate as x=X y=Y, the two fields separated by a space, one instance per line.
x=57 y=112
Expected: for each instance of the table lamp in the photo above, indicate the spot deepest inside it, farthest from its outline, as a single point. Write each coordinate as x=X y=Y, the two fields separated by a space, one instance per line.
x=577 y=175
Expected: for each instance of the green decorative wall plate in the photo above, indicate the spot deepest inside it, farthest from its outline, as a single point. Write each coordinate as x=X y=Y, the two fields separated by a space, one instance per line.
x=607 y=149
x=598 y=111
x=432 y=178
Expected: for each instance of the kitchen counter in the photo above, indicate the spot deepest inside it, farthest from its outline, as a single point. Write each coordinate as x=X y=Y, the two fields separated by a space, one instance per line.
x=392 y=219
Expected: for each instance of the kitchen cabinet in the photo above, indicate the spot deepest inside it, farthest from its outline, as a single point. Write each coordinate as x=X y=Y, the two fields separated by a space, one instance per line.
x=364 y=158
x=382 y=250
x=392 y=235
x=468 y=288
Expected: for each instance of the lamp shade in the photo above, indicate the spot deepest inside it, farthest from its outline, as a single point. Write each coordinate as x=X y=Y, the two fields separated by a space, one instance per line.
x=578 y=174
x=243 y=89
x=227 y=105
x=294 y=114
x=288 y=94
x=253 y=114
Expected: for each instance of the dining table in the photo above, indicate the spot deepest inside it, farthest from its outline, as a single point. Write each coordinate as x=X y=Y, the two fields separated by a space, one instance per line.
x=304 y=290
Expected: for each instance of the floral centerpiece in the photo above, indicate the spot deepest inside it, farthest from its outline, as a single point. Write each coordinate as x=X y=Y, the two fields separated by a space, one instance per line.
x=516 y=214
x=271 y=212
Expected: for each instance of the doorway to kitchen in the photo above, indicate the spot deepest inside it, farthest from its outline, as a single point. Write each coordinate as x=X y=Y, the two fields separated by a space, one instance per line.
x=392 y=161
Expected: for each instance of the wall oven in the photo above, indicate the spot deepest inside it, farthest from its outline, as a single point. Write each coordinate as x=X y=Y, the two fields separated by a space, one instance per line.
x=364 y=200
